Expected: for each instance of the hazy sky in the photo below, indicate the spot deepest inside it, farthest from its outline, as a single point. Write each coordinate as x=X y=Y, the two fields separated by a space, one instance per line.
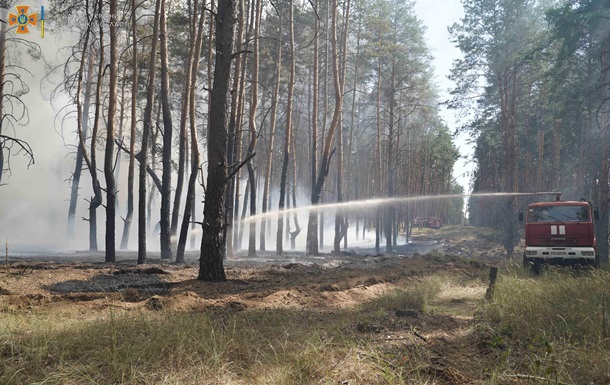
x=437 y=15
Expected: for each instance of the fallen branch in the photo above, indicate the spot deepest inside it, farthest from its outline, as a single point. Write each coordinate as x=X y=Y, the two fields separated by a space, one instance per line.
x=419 y=335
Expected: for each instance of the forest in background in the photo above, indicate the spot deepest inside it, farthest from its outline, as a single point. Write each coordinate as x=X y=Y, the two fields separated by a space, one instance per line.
x=316 y=102
x=535 y=81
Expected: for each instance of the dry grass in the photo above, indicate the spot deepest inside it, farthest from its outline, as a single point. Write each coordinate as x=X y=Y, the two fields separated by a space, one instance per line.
x=550 y=327
x=553 y=326
x=121 y=346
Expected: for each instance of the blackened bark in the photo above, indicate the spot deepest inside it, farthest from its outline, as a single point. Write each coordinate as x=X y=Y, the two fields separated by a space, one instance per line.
x=166 y=178
x=252 y=127
x=190 y=195
x=96 y=200
x=340 y=216
x=327 y=154
x=183 y=140
x=150 y=95
x=79 y=152
x=312 y=227
x=213 y=243
x=279 y=247
x=269 y=161
x=109 y=155
x=232 y=139
x=132 y=130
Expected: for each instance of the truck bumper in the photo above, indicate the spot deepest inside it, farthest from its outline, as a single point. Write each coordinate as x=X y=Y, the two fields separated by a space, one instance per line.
x=560 y=253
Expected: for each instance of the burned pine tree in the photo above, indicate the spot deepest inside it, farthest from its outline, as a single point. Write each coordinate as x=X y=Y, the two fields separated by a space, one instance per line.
x=213 y=243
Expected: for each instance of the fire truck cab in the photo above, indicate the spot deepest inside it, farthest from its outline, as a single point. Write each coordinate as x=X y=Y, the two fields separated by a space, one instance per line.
x=560 y=232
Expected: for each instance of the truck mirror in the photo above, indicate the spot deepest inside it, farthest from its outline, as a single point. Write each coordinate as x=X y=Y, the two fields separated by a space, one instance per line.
x=596 y=214
x=520 y=216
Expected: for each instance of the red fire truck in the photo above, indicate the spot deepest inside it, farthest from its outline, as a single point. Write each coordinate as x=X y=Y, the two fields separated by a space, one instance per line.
x=429 y=222
x=560 y=232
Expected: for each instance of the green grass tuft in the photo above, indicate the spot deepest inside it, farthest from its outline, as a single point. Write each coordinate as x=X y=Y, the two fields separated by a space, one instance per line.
x=553 y=326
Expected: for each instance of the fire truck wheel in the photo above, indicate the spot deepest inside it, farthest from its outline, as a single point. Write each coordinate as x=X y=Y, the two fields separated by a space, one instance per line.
x=536 y=266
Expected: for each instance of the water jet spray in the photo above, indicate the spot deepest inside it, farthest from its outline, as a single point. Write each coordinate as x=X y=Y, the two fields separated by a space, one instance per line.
x=379 y=202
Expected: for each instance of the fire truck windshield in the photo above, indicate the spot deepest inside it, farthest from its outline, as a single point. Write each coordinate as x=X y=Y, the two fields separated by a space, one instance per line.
x=558 y=213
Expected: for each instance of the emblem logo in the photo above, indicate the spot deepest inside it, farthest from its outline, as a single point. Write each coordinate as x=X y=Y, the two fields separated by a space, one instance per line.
x=22 y=19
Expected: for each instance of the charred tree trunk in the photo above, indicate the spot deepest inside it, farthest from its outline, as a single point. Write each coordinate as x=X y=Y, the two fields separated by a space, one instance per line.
x=239 y=227
x=327 y=154
x=213 y=244
x=195 y=158
x=340 y=225
x=272 y=126
x=233 y=135
x=508 y=97
x=378 y=158
x=80 y=152
x=389 y=211
x=312 y=227
x=183 y=139
x=119 y=136
x=132 y=130
x=146 y=134
x=279 y=241
x=166 y=179
x=349 y=165
x=252 y=126
x=109 y=156
x=96 y=200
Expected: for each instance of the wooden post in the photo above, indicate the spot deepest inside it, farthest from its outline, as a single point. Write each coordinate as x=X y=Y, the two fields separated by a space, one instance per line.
x=493 y=274
x=604 y=319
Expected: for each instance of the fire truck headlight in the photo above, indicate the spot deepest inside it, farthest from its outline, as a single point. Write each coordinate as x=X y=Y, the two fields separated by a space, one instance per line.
x=531 y=252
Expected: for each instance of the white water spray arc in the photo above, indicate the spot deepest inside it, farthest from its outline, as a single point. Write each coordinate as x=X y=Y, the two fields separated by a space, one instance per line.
x=371 y=203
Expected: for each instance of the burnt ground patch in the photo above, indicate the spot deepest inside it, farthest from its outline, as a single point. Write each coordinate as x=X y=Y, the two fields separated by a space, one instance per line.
x=150 y=284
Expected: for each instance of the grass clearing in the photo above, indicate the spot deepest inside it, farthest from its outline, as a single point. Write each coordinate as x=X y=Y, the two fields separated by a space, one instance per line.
x=278 y=346
x=134 y=348
x=420 y=320
x=414 y=297
x=553 y=326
